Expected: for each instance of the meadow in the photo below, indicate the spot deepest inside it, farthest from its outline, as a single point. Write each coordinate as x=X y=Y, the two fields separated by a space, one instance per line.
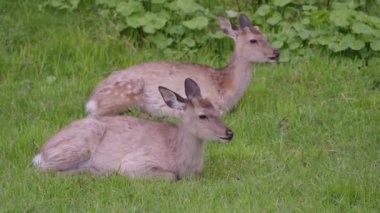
x=307 y=132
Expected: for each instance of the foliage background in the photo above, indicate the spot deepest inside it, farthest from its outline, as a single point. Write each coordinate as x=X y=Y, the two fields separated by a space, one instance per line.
x=181 y=26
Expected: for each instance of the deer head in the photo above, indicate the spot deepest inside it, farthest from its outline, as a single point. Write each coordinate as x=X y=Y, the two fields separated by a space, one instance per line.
x=250 y=43
x=199 y=116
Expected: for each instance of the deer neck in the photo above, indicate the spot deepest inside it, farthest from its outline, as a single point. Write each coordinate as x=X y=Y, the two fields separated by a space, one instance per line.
x=235 y=80
x=189 y=153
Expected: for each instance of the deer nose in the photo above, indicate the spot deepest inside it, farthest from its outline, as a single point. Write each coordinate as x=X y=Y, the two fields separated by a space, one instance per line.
x=230 y=134
x=276 y=52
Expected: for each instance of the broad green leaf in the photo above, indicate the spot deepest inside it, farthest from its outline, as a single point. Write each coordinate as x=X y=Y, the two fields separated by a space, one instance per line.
x=372 y=21
x=340 y=18
x=312 y=41
x=304 y=34
x=357 y=44
x=290 y=12
x=217 y=35
x=344 y=43
x=160 y=40
x=188 y=42
x=375 y=45
x=128 y=8
x=175 y=29
x=149 y=29
x=348 y=38
x=361 y=28
x=151 y=22
x=278 y=44
x=263 y=10
x=323 y=40
x=297 y=26
x=376 y=33
x=171 y=6
x=172 y=53
x=74 y=3
x=294 y=45
x=200 y=39
x=164 y=14
x=280 y=37
x=317 y=33
x=302 y=31
x=336 y=47
x=290 y=33
x=274 y=19
x=281 y=3
x=188 y=6
x=157 y=21
x=367 y=38
x=285 y=25
x=198 y=22
x=135 y=21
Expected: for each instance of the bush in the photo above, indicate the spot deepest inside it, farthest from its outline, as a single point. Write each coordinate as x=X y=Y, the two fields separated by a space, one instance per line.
x=180 y=27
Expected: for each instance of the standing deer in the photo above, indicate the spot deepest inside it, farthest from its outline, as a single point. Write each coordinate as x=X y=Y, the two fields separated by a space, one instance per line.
x=137 y=85
x=137 y=147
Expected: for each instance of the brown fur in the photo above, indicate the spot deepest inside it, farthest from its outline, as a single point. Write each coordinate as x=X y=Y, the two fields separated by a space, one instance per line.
x=224 y=87
x=137 y=147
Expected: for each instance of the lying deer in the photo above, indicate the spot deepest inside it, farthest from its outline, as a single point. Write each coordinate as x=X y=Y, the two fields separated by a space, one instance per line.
x=137 y=85
x=136 y=147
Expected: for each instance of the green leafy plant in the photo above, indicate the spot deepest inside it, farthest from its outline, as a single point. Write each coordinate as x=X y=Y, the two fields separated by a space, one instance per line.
x=339 y=27
x=177 y=27
x=180 y=27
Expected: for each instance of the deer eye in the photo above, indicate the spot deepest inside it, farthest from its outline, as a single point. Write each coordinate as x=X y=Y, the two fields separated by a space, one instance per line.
x=202 y=117
x=253 y=41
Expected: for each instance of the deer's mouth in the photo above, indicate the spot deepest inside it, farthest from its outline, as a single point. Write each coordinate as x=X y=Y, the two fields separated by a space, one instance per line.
x=227 y=139
x=274 y=58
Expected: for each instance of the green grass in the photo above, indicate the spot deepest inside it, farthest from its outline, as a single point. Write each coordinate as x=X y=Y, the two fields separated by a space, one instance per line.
x=307 y=133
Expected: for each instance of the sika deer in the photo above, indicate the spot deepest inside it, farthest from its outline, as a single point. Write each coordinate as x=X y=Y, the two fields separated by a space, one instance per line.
x=136 y=147
x=137 y=85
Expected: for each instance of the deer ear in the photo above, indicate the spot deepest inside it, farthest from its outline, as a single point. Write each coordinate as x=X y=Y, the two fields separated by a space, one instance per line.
x=172 y=99
x=227 y=28
x=192 y=89
x=244 y=21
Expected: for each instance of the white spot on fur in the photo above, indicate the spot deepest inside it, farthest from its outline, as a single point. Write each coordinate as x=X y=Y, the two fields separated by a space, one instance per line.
x=37 y=160
x=91 y=107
